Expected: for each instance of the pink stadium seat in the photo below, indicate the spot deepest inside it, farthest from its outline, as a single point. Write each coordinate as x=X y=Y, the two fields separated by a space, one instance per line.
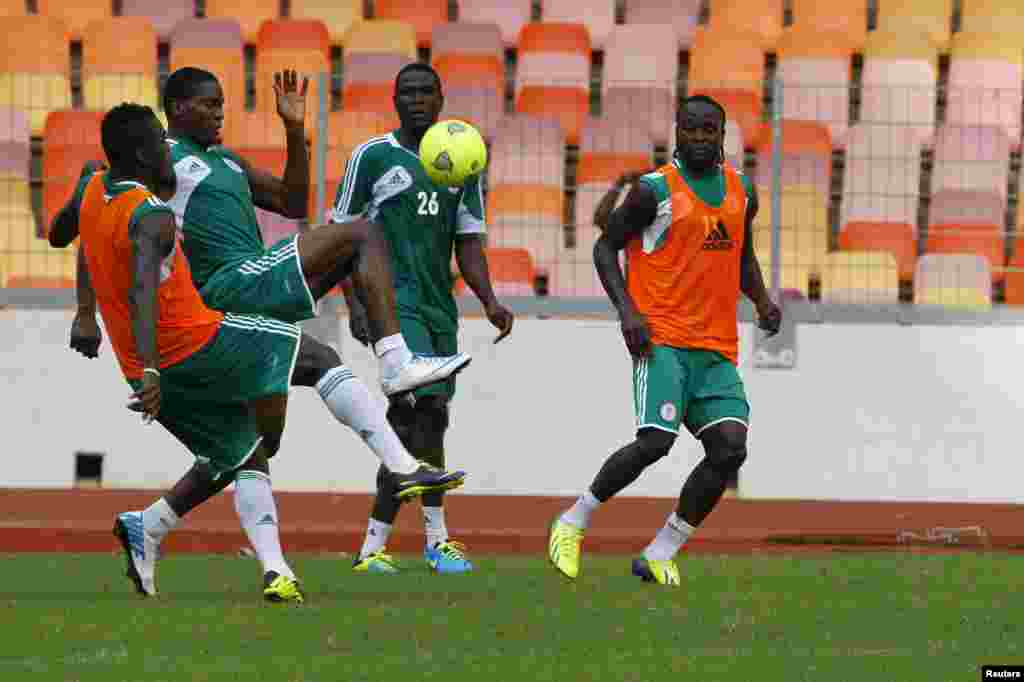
x=554 y=74
x=163 y=13
x=528 y=150
x=883 y=174
x=463 y=38
x=985 y=83
x=640 y=54
x=15 y=149
x=470 y=58
x=249 y=13
x=899 y=81
x=640 y=104
x=482 y=106
x=76 y=15
x=972 y=158
x=806 y=155
x=815 y=72
x=597 y=15
x=372 y=76
x=682 y=16
x=509 y=15
x=960 y=207
x=541 y=235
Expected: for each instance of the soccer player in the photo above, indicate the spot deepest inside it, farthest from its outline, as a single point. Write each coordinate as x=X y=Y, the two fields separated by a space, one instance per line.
x=686 y=229
x=423 y=222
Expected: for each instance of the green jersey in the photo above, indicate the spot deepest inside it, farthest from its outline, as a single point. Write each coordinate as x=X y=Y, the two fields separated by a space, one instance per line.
x=214 y=208
x=385 y=182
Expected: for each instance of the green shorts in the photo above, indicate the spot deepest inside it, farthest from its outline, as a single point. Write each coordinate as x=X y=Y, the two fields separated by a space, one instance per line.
x=272 y=285
x=204 y=397
x=699 y=388
x=430 y=339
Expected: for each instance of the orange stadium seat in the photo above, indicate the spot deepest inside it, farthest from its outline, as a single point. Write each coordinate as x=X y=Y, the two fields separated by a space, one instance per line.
x=512 y=272
x=509 y=15
x=215 y=45
x=899 y=81
x=14 y=8
x=164 y=14
x=75 y=15
x=34 y=67
x=985 y=77
x=682 y=17
x=608 y=149
x=848 y=18
x=806 y=155
x=554 y=74
x=933 y=18
x=71 y=138
x=382 y=35
x=119 y=62
x=250 y=14
x=370 y=80
x=973 y=158
x=339 y=16
x=814 y=68
x=762 y=19
x=424 y=15
x=1014 y=283
x=300 y=44
x=953 y=280
x=894 y=238
x=597 y=15
x=729 y=66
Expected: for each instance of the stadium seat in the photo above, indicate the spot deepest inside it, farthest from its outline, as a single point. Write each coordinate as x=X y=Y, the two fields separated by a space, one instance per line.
x=470 y=58
x=597 y=15
x=15 y=143
x=71 y=138
x=987 y=241
x=119 y=63
x=528 y=150
x=729 y=66
x=637 y=103
x=640 y=54
x=894 y=238
x=899 y=82
x=848 y=18
x=15 y=193
x=483 y=107
x=424 y=15
x=806 y=155
x=951 y=206
x=163 y=14
x=608 y=149
x=930 y=17
x=215 y=45
x=814 y=68
x=804 y=228
x=512 y=272
x=992 y=17
x=27 y=260
x=554 y=74
x=300 y=44
x=509 y=15
x=382 y=35
x=883 y=175
x=795 y=269
x=953 y=280
x=860 y=277
x=985 y=76
x=370 y=80
x=339 y=16
x=682 y=17
x=540 y=235
x=974 y=158
x=1014 y=284
x=465 y=39
x=762 y=19
x=250 y=14
x=34 y=67
x=75 y=15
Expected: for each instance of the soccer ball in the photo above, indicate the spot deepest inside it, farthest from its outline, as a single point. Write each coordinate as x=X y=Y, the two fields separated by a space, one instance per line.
x=452 y=151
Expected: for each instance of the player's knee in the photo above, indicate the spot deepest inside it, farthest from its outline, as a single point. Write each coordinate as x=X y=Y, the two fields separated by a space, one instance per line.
x=726 y=446
x=314 y=361
x=655 y=444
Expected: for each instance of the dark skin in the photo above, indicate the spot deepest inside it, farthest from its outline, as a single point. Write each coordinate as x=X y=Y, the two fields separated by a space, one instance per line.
x=419 y=101
x=607 y=204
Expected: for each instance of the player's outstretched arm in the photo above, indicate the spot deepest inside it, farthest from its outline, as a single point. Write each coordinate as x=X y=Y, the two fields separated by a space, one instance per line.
x=472 y=262
x=64 y=226
x=751 y=278
x=639 y=210
x=152 y=240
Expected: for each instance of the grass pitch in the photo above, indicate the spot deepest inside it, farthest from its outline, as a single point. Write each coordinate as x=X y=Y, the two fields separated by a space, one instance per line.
x=876 y=616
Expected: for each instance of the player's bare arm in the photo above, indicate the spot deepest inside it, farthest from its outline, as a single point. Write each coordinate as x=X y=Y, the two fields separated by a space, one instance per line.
x=287 y=196
x=639 y=209
x=64 y=226
x=152 y=240
x=607 y=204
x=86 y=336
x=472 y=262
x=751 y=278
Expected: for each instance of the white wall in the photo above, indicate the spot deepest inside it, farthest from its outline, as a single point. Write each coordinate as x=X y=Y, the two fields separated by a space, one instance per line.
x=880 y=412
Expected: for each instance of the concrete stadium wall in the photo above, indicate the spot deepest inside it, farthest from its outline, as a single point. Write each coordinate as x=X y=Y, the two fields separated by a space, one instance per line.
x=872 y=412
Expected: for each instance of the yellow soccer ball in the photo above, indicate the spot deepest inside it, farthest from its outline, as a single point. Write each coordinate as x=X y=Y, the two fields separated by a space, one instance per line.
x=452 y=151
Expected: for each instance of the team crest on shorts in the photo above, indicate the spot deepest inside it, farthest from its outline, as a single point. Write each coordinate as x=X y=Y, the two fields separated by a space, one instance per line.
x=233 y=166
x=668 y=412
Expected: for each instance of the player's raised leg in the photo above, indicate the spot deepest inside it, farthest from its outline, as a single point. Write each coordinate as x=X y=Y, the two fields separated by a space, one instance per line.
x=359 y=242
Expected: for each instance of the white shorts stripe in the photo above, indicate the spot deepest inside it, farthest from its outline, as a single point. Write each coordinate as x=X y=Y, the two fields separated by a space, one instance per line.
x=261 y=265
x=257 y=324
x=259 y=320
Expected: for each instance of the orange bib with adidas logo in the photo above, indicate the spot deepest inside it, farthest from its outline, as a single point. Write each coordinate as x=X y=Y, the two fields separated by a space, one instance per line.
x=685 y=276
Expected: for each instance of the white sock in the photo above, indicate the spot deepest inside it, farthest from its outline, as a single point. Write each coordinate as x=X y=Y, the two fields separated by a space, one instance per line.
x=254 y=502
x=393 y=354
x=669 y=539
x=377 y=533
x=579 y=514
x=158 y=519
x=433 y=522
x=351 y=403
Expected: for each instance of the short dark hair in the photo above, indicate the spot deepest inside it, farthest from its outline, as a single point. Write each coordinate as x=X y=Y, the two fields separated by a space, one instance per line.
x=418 y=66
x=125 y=128
x=704 y=99
x=182 y=84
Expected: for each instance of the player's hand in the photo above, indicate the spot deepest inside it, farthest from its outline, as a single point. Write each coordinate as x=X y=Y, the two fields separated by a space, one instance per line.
x=636 y=333
x=147 y=399
x=769 y=317
x=291 y=97
x=86 y=336
x=501 y=317
x=359 y=325
x=90 y=167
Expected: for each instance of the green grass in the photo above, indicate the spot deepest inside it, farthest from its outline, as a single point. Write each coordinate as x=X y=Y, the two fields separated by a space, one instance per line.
x=851 y=617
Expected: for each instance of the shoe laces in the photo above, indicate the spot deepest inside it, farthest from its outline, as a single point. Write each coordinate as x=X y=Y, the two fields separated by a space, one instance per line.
x=568 y=538
x=452 y=549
